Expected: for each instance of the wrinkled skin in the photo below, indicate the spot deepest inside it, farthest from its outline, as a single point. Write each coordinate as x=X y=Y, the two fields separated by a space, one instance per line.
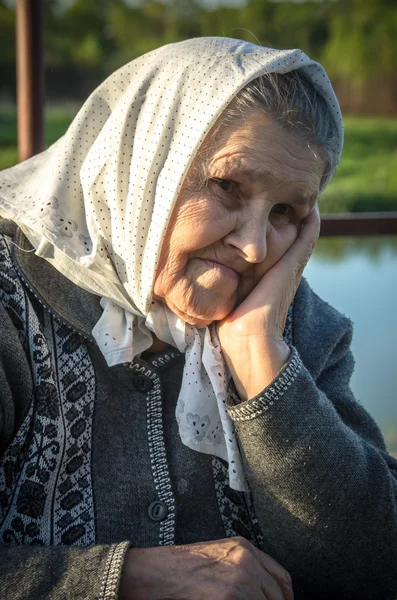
x=222 y=570
x=236 y=248
x=261 y=184
x=234 y=253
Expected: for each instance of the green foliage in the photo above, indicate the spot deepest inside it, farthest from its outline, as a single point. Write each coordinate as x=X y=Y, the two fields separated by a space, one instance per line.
x=367 y=176
x=365 y=181
x=357 y=39
x=7 y=36
x=362 y=41
x=87 y=52
x=77 y=35
x=57 y=120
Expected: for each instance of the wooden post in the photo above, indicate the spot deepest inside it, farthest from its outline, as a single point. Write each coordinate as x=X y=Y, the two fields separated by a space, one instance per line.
x=353 y=224
x=30 y=78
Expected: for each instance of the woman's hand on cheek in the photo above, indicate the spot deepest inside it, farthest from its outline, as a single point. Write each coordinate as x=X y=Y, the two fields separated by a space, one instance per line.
x=252 y=335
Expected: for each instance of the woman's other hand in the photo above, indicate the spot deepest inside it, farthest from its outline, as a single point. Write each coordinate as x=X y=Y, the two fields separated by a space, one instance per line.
x=252 y=335
x=221 y=569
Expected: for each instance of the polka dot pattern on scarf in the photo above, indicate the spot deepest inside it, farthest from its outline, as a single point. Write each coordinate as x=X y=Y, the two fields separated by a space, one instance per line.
x=97 y=204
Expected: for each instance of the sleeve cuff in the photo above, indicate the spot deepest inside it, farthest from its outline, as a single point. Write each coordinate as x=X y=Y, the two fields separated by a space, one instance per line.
x=250 y=409
x=111 y=576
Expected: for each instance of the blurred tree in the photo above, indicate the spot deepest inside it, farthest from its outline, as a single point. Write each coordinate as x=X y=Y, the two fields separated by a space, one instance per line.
x=182 y=20
x=137 y=30
x=363 y=39
x=7 y=35
x=84 y=26
x=87 y=39
x=223 y=21
x=361 y=54
x=303 y=26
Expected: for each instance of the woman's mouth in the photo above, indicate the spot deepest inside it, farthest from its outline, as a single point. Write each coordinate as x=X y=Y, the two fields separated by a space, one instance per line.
x=223 y=270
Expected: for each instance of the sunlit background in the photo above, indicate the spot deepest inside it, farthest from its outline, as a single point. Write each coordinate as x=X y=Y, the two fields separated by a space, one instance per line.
x=356 y=40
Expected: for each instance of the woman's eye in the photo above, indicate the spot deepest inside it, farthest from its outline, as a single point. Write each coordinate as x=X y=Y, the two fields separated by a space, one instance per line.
x=282 y=209
x=225 y=184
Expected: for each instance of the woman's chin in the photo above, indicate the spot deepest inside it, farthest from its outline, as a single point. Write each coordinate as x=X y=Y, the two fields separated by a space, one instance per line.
x=207 y=316
x=195 y=322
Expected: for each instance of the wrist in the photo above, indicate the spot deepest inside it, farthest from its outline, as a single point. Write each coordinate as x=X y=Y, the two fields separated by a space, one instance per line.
x=137 y=577
x=260 y=361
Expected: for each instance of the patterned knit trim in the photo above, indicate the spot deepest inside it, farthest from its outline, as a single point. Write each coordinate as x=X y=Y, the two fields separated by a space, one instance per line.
x=158 y=457
x=45 y=473
x=164 y=360
x=159 y=462
x=255 y=407
x=287 y=335
x=235 y=508
x=73 y=498
x=112 y=573
x=256 y=528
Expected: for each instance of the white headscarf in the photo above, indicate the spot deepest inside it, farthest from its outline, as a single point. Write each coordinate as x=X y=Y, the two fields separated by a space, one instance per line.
x=96 y=204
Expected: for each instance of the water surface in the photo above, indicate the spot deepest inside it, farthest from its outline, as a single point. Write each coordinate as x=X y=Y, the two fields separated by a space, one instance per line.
x=358 y=276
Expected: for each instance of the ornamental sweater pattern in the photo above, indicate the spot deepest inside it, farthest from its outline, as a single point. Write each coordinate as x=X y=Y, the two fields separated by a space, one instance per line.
x=91 y=460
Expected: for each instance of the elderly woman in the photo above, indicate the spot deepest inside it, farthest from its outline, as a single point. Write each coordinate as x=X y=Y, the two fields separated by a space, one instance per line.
x=176 y=419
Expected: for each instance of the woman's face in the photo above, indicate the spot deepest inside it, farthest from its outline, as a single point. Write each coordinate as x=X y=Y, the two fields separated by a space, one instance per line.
x=261 y=182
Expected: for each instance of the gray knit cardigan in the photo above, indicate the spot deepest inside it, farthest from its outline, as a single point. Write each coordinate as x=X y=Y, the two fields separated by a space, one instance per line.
x=92 y=462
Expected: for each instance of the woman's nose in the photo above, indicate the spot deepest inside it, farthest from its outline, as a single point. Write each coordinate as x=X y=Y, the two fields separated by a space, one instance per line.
x=251 y=239
x=255 y=246
x=255 y=252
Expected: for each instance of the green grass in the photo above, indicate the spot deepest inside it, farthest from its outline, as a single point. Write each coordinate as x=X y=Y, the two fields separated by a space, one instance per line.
x=57 y=120
x=365 y=181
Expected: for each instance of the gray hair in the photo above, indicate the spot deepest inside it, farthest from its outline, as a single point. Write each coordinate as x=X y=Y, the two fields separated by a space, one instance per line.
x=295 y=104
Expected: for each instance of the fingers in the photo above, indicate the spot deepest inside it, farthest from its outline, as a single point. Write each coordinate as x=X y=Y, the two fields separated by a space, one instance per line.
x=303 y=246
x=282 y=280
x=288 y=271
x=276 y=571
x=271 y=588
x=276 y=581
x=310 y=230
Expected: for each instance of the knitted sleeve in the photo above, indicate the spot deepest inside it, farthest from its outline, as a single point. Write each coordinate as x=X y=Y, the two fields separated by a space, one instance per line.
x=60 y=572
x=35 y=571
x=324 y=487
